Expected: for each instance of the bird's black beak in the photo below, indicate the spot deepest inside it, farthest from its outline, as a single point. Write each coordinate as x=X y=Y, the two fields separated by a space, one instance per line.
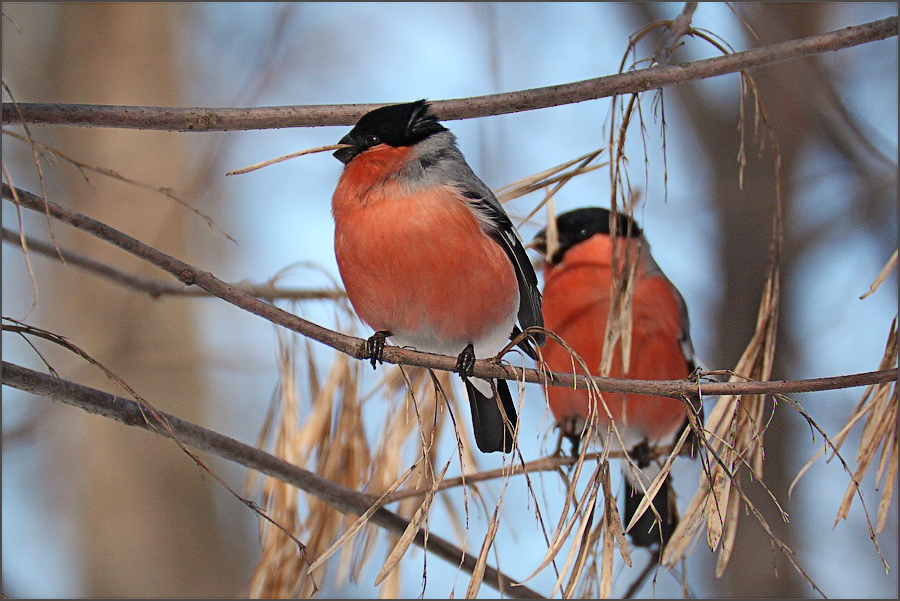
x=345 y=155
x=540 y=242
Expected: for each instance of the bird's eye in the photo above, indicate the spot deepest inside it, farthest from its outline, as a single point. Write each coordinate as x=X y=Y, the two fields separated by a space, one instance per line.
x=372 y=140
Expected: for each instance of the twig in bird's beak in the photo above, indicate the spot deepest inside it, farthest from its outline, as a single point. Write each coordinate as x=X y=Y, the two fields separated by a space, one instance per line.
x=286 y=157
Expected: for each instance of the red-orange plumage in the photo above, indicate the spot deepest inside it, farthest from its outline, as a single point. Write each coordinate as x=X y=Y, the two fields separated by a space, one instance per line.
x=576 y=306
x=429 y=257
x=407 y=257
x=577 y=300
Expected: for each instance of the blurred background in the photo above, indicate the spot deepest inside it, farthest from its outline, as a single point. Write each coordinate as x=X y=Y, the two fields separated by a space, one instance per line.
x=92 y=508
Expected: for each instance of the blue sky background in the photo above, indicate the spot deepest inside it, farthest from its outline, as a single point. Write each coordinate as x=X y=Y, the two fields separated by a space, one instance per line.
x=393 y=52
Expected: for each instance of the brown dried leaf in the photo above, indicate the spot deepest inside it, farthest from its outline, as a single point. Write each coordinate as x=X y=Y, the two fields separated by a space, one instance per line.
x=731 y=521
x=890 y=478
x=721 y=490
x=585 y=548
x=890 y=266
x=564 y=526
x=613 y=536
x=359 y=523
x=651 y=491
x=409 y=534
x=481 y=562
x=586 y=511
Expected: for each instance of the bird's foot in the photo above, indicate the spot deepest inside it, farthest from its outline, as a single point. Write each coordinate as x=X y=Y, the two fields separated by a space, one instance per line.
x=641 y=454
x=465 y=363
x=375 y=346
x=568 y=432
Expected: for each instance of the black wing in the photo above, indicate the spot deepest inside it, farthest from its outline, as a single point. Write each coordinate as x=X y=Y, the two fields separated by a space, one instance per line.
x=503 y=231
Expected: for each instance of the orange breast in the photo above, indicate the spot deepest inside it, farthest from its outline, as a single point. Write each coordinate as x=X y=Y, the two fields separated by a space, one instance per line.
x=416 y=262
x=576 y=305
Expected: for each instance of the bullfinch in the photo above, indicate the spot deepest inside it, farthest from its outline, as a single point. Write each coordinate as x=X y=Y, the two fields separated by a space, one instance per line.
x=429 y=257
x=576 y=304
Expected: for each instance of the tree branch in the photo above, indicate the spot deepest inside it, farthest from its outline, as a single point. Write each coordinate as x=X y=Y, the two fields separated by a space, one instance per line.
x=678 y=28
x=156 y=288
x=343 y=499
x=222 y=119
x=355 y=347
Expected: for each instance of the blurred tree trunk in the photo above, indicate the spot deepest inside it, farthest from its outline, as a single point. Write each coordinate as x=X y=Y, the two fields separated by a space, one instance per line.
x=145 y=513
x=757 y=569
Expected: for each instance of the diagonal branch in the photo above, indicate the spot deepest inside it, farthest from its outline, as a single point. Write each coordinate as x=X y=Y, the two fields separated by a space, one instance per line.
x=355 y=347
x=222 y=119
x=345 y=500
x=155 y=287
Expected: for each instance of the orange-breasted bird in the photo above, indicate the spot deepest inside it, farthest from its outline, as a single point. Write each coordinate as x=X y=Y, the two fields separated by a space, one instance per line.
x=576 y=304
x=429 y=257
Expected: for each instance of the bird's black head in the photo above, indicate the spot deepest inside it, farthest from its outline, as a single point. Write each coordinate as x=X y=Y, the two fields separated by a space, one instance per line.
x=579 y=225
x=395 y=125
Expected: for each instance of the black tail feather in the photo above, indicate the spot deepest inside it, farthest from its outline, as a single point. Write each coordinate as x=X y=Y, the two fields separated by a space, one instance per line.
x=492 y=432
x=646 y=532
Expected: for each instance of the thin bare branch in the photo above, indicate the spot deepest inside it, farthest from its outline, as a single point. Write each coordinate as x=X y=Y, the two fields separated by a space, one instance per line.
x=40 y=148
x=222 y=119
x=348 y=501
x=355 y=347
x=156 y=287
x=678 y=28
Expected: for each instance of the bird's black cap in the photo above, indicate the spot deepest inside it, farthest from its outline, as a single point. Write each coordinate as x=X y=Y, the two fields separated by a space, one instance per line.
x=580 y=224
x=395 y=125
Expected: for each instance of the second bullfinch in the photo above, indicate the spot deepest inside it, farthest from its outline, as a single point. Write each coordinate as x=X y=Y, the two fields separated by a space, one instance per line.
x=577 y=296
x=429 y=257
